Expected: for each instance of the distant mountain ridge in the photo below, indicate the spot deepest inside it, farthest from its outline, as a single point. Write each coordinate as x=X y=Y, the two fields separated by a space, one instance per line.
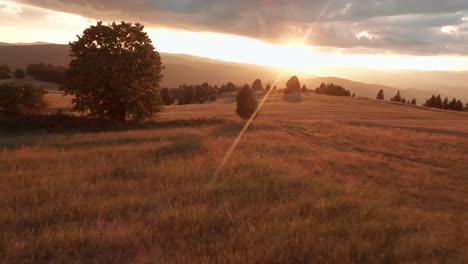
x=187 y=69
x=24 y=44
x=179 y=68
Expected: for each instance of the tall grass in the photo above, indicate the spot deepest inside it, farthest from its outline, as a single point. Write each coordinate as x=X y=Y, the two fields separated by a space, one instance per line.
x=292 y=192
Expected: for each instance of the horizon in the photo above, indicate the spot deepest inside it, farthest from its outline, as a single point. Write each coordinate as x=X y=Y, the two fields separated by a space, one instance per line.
x=293 y=52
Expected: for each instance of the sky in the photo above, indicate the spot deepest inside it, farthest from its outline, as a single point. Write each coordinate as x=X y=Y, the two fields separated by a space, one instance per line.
x=307 y=35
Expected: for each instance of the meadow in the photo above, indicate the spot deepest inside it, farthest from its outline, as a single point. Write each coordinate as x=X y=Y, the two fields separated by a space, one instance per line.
x=323 y=180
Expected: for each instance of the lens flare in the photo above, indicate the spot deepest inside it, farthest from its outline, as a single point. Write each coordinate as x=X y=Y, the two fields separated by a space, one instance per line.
x=264 y=99
x=245 y=128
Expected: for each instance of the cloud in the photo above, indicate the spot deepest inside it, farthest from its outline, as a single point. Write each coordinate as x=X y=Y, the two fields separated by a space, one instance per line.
x=10 y=8
x=398 y=26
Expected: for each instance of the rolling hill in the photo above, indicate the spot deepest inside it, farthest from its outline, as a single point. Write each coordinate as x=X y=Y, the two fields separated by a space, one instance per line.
x=371 y=90
x=347 y=180
x=186 y=69
x=179 y=69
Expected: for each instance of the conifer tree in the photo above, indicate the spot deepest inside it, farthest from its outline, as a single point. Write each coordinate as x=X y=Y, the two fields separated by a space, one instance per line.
x=439 y=103
x=445 y=103
x=397 y=97
x=459 y=106
x=246 y=103
x=380 y=95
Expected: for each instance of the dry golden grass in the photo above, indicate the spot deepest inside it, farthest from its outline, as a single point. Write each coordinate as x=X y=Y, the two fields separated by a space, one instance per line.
x=327 y=180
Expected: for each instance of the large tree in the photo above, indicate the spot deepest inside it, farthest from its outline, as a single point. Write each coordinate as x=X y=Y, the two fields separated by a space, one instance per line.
x=293 y=85
x=115 y=72
x=257 y=85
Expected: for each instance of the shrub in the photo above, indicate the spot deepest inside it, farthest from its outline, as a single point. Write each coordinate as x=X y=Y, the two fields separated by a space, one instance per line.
x=4 y=75
x=246 y=103
x=21 y=99
x=20 y=74
x=4 y=72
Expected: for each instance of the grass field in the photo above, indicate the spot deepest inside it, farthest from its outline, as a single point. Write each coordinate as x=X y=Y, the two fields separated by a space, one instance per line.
x=324 y=180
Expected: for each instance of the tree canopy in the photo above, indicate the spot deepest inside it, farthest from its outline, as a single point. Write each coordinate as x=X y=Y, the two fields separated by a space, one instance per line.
x=21 y=99
x=20 y=74
x=293 y=85
x=246 y=103
x=380 y=95
x=4 y=72
x=257 y=85
x=397 y=97
x=332 y=89
x=115 y=72
x=436 y=102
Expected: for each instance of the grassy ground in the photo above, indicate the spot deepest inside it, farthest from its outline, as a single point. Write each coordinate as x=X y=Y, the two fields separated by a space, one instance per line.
x=325 y=180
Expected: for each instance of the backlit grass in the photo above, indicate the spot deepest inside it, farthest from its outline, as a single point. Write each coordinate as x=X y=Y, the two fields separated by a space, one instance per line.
x=294 y=191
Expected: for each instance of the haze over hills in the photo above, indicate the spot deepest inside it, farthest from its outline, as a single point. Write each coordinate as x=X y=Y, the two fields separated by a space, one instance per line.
x=186 y=69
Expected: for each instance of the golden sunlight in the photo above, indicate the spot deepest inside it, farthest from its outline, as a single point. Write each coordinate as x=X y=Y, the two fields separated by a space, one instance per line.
x=61 y=27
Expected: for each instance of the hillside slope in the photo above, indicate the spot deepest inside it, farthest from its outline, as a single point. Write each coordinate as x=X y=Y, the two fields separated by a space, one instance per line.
x=185 y=69
x=179 y=69
x=371 y=90
x=343 y=180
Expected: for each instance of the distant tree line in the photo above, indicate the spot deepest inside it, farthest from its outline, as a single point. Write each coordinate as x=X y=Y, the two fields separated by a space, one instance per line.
x=454 y=104
x=199 y=94
x=191 y=94
x=332 y=89
x=47 y=72
x=397 y=98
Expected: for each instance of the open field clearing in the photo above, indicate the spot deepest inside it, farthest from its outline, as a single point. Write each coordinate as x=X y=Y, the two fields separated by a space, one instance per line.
x=327 y=179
